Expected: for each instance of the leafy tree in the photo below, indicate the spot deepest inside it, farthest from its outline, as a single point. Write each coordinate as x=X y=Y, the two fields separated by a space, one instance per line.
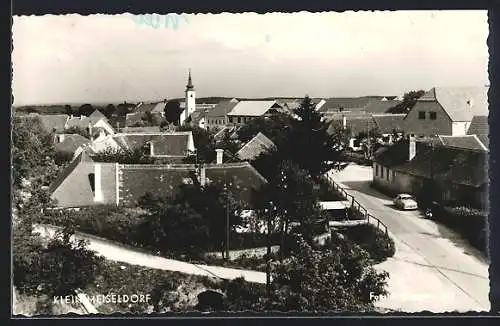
x=274 y=127
x=409 y=100
x=292 y=191
x=337 y=279
x=109 y=110
x=122 y=109
x=57 y=269
x=215 y=203
x=85 y=109
x=123 y=156
x=173 y=111
x=68 y=109
x=204 y=143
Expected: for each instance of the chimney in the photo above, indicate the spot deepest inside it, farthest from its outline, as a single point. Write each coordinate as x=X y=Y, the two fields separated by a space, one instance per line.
x=220 y=155
x=344 y=122
x=97 y=182
x=81 y=117
x=71 y=116
x=61 y=138
x=412 y=149
x=203 y=176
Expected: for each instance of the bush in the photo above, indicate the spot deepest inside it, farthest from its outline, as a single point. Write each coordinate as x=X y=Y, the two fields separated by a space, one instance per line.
x=469 y=222
x=378 y=244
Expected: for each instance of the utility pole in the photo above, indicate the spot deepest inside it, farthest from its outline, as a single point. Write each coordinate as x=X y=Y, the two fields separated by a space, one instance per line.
x=226 y=188
x=283 y=215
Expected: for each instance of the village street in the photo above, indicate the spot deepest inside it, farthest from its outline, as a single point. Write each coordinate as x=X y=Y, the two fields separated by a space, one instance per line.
x=433 y=268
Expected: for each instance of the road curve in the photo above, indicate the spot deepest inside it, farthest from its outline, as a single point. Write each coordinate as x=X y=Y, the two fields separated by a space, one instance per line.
x=434 y=269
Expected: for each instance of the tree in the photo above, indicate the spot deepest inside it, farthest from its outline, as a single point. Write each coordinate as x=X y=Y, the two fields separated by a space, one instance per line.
x=85 y=109
x=409 y=100
x=61 y=267
x=68 y=109
x=123 y=156
x=274 y=127
x=310 y=145
x=122 y=109
x=109 y=110
x=204 y=142
x=78 y=131
x=173 y=111
x=292 y=191
x=337 y=278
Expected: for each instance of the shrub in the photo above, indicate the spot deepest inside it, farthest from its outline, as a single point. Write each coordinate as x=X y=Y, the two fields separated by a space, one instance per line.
x=378 y=244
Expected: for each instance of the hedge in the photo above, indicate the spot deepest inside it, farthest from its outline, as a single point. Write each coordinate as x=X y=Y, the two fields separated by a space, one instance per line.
x=378 y=244
x=469 y=222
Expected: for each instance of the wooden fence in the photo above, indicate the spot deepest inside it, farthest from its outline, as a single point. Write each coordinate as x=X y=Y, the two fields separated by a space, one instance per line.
x=356 y=206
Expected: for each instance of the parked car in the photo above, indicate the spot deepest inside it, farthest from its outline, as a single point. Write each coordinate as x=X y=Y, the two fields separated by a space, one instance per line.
x=405 y=202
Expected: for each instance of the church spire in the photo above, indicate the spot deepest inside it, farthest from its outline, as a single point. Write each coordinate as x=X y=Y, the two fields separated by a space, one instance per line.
x=189 y=86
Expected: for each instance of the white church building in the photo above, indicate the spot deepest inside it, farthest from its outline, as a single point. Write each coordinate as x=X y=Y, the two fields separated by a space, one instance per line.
x=190 y=101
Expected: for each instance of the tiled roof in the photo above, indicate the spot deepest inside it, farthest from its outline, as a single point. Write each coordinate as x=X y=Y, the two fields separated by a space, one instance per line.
x=149 y=107
x=164 y=143
x=141 y=129
x=346 y=103
x=136 y=180
x=460 y=103
x=83 y=157
x=381 y=106
x=251 y=108
x=357 y=123
x=257 y=145
x=479 y=126
x=82 y=122
x=386 y=123
x=221 y=109
x=456 y=165
x=71 y=143
x=132 y=119
x=468 y=142
x=53 y=122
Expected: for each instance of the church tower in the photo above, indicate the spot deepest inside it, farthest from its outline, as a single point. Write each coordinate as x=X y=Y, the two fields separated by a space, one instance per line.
x=190 y=100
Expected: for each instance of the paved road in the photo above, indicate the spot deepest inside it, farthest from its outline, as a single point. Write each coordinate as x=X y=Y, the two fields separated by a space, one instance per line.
x=433 y=269
x=117 y=252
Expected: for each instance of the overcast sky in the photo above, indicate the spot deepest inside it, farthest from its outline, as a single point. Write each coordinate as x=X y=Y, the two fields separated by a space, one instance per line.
x=101 y=58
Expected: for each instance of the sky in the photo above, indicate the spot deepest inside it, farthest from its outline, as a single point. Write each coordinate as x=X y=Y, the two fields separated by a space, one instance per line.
x=115 y=58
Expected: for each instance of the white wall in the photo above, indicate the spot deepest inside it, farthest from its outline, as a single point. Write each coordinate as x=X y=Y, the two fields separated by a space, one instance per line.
x=459 y=128
x=106 y=126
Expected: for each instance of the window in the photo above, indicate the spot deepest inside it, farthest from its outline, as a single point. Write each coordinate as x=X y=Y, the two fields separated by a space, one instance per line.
x=393 y=175
x=432 y=115
x=239 y=120
x=421 y=115
x=231 y=119
x=387 y=176
x=376 y=170
x=92 y=182
x=382 y=172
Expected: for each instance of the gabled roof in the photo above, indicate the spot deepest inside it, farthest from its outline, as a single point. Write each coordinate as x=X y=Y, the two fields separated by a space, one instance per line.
x=256 y=146
x=136 y=180
x=132 y=119
x=479 y=126
x=53 y=122
x=148 y=107
x=381 y=106
x=467 y=142
x=346 y=103
x=460 y=103
x=98 y=114
x=455 y=165
x=71 y=143
x=252 y=108
x=222 y=109
x=172 y=144
x=82 y=122
x=386 y=123
x=83 y=157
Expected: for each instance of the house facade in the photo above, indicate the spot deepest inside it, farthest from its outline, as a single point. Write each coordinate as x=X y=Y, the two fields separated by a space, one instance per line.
x=445 y=174
x=217 y=118
x=446 y=111
x=245 y=111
